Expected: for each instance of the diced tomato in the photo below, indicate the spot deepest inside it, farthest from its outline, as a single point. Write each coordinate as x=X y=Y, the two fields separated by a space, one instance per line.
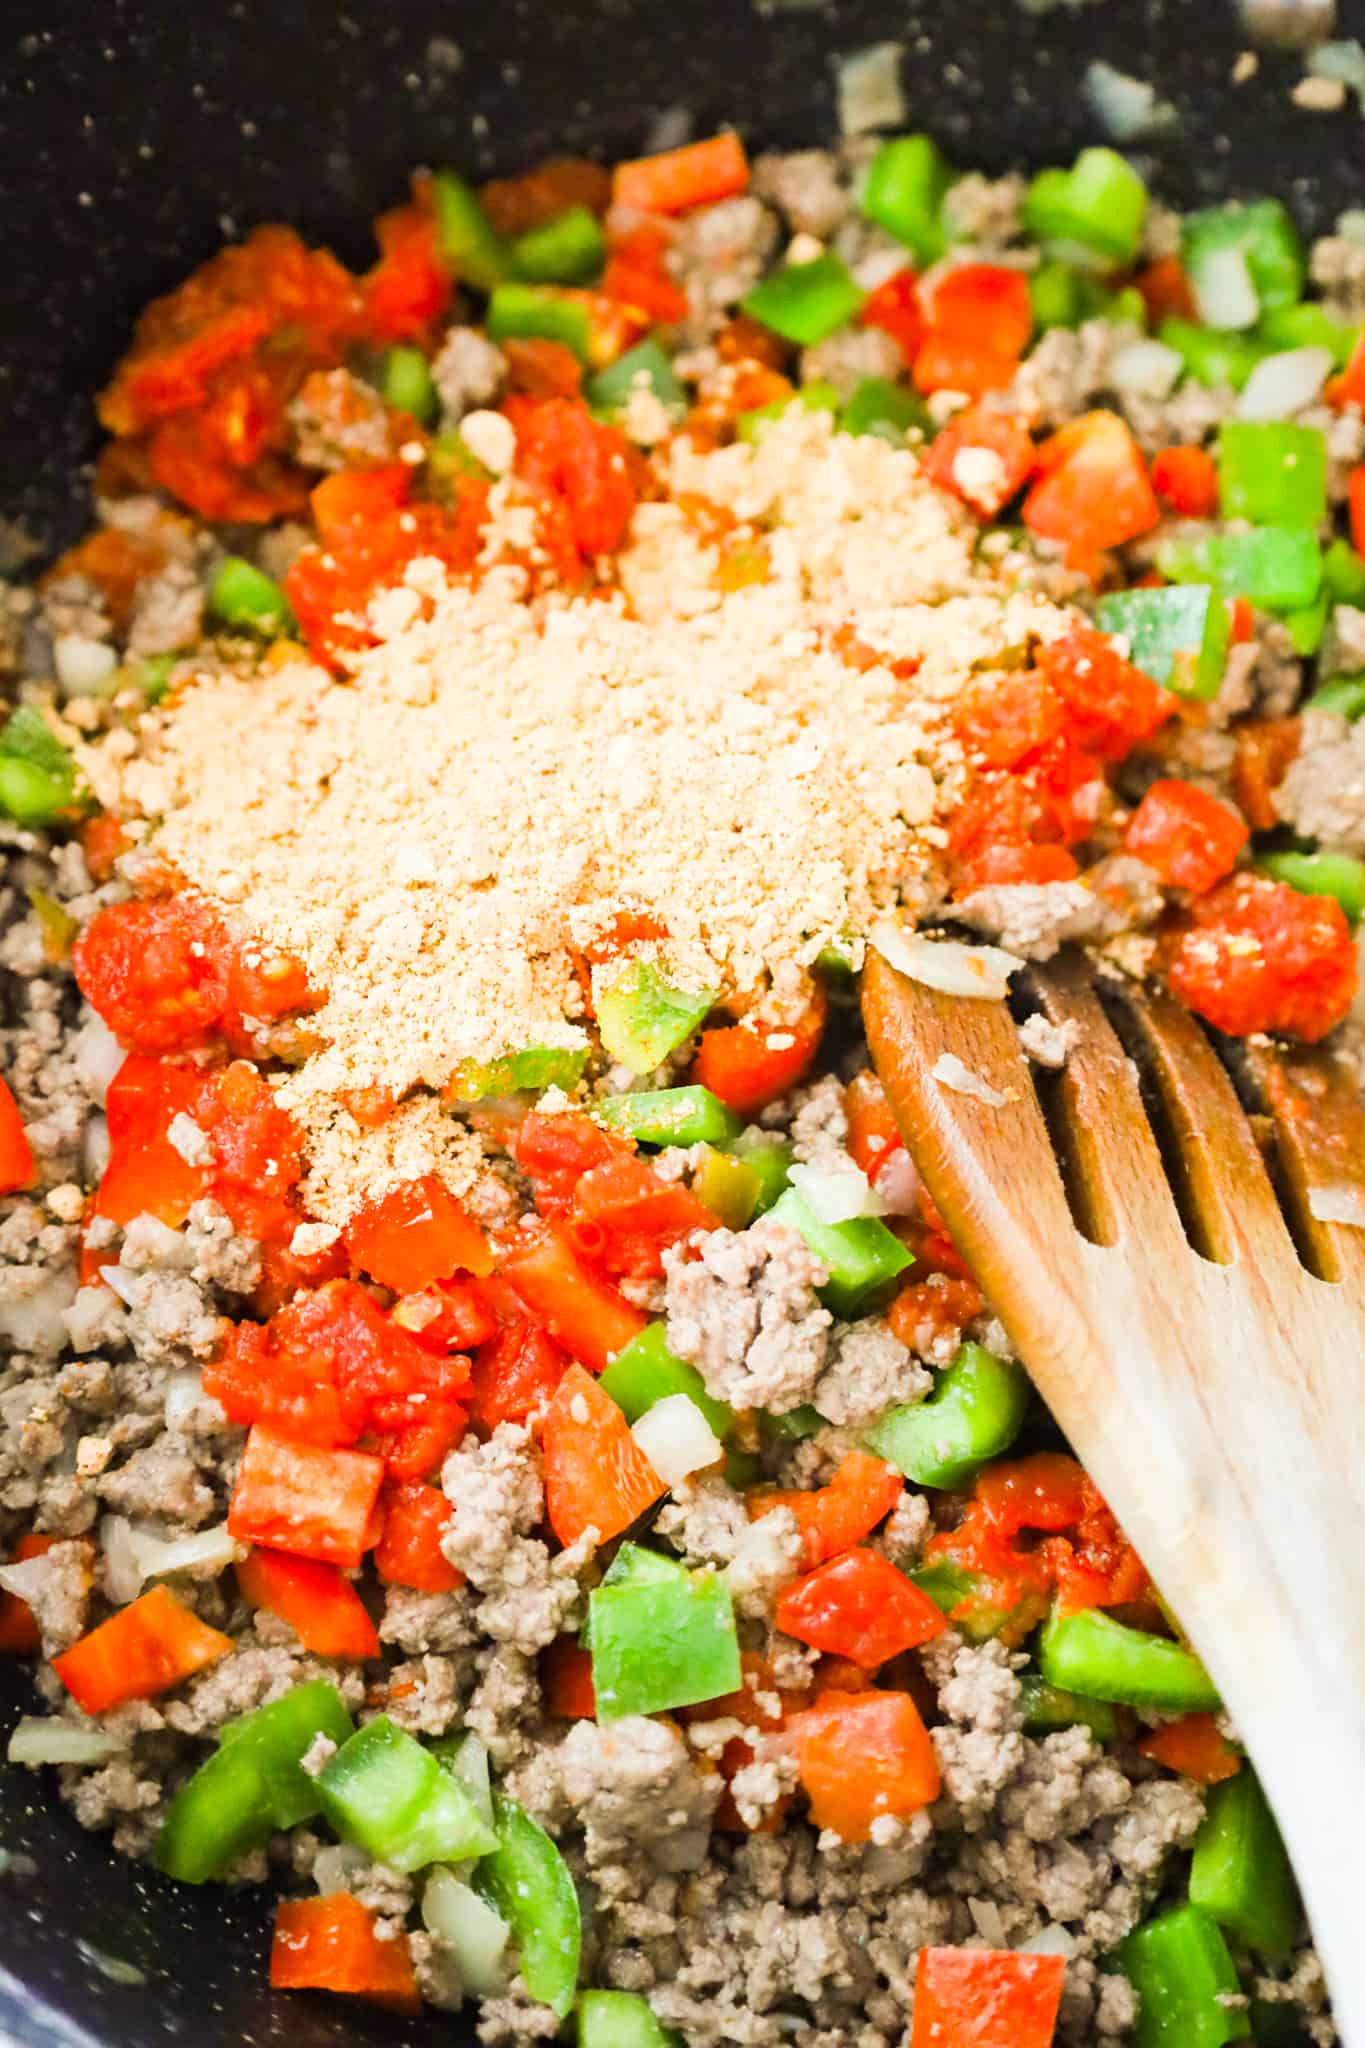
x=1011 y=719
x=410 y=286
x=863 y=1757
x=1356 y=507
x=450 y=1315
x=873 y=1134
x=313 y=1503
x=1166 y=291
x=586 y=1315
x=978 y=324
x=333 y=1944
x=624 y=1218
x=1242 y=623
x=320 y=1604
x=554 y=1152
x=116 y=562
x=409 y=1551
x=142 y=1650
x=1187 y=478
x=1196 y=1747
x=415 y=1234
x=998 y=866
x=596 y=1475
x=1111 y=705
x=926 y=1315
x=154 y=972
x=540 y=195
x=764 y=1709
x=566 y=1675
x=894 y=307
x=985 y=1998
x=1258 y=956
x=1093 y=491
x=19 y=1636
x=636 y=274
x=748 y=1065
x=1192 y=839
x=330 y=1368
x=860 y=1607
x=103 y=839
x=1265 y=748
x=983 y=457
x=697 y=174
x=581 y=464
x=542 y=369
x=16 y=1154
x=517 y=1371
x=833 y=1518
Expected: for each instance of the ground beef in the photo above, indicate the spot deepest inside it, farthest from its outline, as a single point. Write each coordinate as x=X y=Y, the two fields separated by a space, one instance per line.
x=1034 y=919
x=117 y=1796
x=529 y=1596
x=505 y=1704
x=427 y=1621
x=1337 y=266
x=717 y=255
x=805 y=186
x=1322 y=794
x=168 y=611
x=848 y=355
x=468 y=371
x=510 y=2021
x=985 y=211
x=340 y=423
x=746 y=1314
x=639 y=1798
x=61 y=1602
x=425 y=1696
x=868 y=1371
x=251 y=1676
x=161 y=1480
x=819 y=1123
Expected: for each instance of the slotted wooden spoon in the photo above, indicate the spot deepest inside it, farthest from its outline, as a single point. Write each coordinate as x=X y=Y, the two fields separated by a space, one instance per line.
x=1216 y=1395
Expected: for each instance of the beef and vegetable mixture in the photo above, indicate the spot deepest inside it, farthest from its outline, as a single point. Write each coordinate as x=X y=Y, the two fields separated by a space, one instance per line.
x=499 y=1447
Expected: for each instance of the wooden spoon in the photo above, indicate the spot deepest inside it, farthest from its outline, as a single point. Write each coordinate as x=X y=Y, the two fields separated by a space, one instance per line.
x=1211 y=1378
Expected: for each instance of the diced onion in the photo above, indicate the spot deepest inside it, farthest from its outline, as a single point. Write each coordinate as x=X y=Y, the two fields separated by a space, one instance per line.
x=1049 y=1941
x=27 y=1580
x=35 y=1320
x=838 y=1194
x=1146 y=368
x=1283 y=384
x=133 y=1555
x=98 y=1055
x=1344 y=61
x=899 y=1183
x=475 y=1935
x=43 y=1739
x=336 y=1865
x=676 y=1438
x=84 y=666
x=1224 y=292
x=989 y=1921
x=122 y=1565
x=125 y=1285
x=184 y=1392
x=95 y=1146
x=1342 y=1204
x=1351 y=224
x=946 y=964
x=951 y=1072
x=869 y=87
x=1126 y=107
x=470 y=1765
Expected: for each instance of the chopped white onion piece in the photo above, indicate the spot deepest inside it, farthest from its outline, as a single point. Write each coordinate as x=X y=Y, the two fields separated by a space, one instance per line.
x=95 y=1146
x=1146 y=368
x=899 y=1183
x=184 y=1392
x=122 y=1565
x=1342 y=1204
x=336 y=1865
x=1049 y=1941
x=98 y=1055
x=475 y=1935
x=125 y=1285
x=989 y=1921
x=837 y=1194
x=35 y=1320
x=1224 y=292
x=676 y=1438
x=946 y=964
x=26 y=1580
x=84 y=666
x=1351 y=224
x=869 y=87
x=133 y=1555
x=1126 y=107
x=1344 y=61
x=951 y=1072
x=469 y=1764
x=40 y=1739
x=1283 y=384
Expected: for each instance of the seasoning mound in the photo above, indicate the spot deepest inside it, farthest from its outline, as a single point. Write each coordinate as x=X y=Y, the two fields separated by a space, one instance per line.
x=439 y=834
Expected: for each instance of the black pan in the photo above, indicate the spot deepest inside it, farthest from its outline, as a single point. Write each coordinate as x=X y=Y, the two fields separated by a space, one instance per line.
x=133 y=135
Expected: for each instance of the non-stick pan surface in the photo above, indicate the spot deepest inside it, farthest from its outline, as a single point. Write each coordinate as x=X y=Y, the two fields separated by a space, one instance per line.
x=135 y=135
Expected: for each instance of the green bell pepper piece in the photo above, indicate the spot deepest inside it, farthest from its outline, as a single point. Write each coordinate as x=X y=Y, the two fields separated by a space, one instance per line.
x=37 y=774
x=770 y=1159
x=244 y=596
x=861 y=1257
x=619 y=2019
x=540 y=312
x=1279 y=568
x=642 y=1018
x=1240 y=1874
x=610 y=389
x=835 y=959
x=816 y=397
x=278 y=1735
x=1266 y=237
x=223 y=1813
x=805 y=302
x=1054 y=291
x=1306 y=625
x=670 y=1116
x=958 y=1593
x=468 y=242
x=907 y=182
x=975 y=1412
x=406 y=383
x=153 y=676
x=535 y=1066
x=1211 y=356
x=887 y=410
x=1180 y=1968
x=1339 y=875
x=1100 y=202
x=663 y=1640
x=569 y=249
x=391 y=1797
x=1098 y=1657
x=727 y=1186
x=1343 y=573
x=527 y=1880
x=465 y=1757
x=1309 y=326
x=1046 y=1708
x=1272 y=473
x=1345 y=695
x=1178 y=636
x=647 y=1372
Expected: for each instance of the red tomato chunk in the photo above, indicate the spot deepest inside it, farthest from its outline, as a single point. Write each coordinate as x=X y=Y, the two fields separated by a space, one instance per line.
x=1258 y=956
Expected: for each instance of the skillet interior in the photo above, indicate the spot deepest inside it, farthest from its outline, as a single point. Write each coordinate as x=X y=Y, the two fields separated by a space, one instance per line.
x=132 y=137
